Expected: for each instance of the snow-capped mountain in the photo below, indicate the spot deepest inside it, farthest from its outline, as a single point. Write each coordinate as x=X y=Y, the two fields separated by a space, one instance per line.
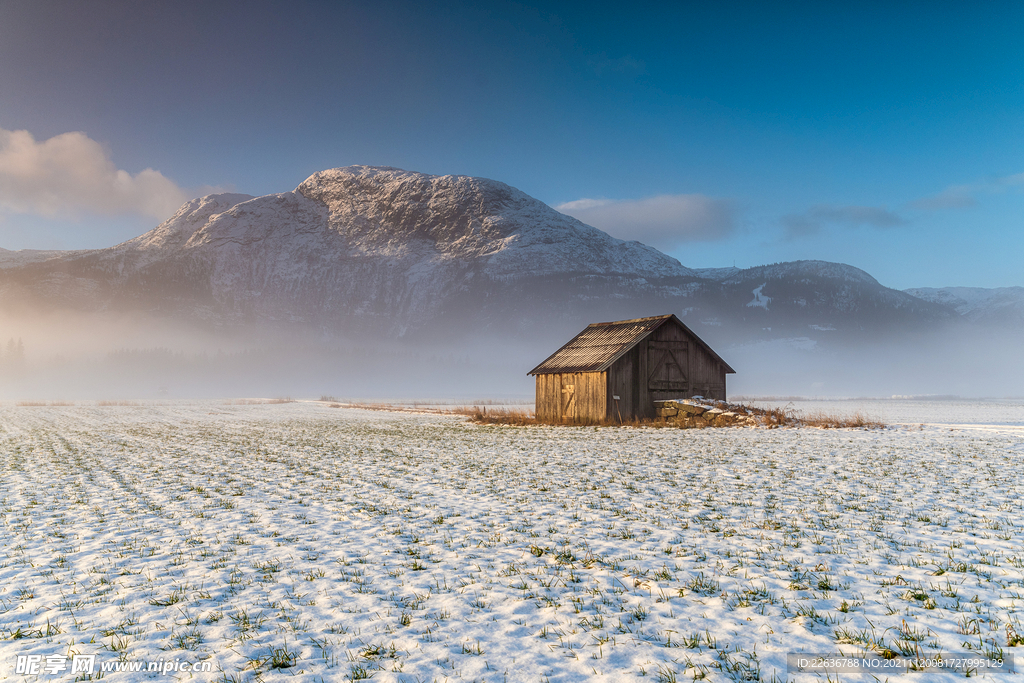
x=394 y=253
x=361 y=213
x=350 y=248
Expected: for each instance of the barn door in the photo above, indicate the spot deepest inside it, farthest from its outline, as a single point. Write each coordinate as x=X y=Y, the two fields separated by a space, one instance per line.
x=569 y=402
x=667 y=366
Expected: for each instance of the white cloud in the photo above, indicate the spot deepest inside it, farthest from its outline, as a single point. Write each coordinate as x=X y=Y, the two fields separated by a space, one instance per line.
x=71 y=174
x=664 y=221
x=816 y=218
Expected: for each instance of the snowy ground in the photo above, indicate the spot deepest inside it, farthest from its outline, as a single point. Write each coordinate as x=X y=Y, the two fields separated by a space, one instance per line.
x=304 y=543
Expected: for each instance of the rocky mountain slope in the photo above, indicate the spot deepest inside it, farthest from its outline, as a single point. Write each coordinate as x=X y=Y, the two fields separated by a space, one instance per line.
x=815 y=298
x=352 y=248
x=389 y=253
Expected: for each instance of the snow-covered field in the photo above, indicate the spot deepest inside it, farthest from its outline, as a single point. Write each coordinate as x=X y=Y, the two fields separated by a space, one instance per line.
x=304 y=543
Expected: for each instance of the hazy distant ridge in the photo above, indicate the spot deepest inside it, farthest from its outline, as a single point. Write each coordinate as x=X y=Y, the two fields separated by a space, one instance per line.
x=382 y=251
x=1000 y=305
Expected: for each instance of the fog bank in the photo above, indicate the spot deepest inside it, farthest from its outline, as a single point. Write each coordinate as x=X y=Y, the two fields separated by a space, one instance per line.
x=108 y=356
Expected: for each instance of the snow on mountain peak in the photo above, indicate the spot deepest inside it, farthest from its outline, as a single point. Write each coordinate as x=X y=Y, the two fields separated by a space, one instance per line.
x=193 y=214
x=383 y=250
x=366 y=242
x=374 y=212
x=469 y=218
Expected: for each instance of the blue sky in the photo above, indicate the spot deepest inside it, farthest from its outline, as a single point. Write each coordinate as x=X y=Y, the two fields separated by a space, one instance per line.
x=889 y=138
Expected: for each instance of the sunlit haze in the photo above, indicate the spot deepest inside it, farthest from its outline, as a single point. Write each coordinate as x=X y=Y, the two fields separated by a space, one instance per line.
x=887 y=138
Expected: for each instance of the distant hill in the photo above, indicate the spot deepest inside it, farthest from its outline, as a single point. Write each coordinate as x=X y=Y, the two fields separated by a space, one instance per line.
x=363 y=252
x=1001 y=306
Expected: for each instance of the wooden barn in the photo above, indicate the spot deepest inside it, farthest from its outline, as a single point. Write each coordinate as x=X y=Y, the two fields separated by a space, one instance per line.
x=615 y=371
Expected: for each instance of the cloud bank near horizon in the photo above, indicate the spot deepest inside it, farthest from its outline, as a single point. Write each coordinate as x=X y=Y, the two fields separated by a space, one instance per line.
x=815 y=219
x=966 y=196
x=662 y=221
x=71 y=174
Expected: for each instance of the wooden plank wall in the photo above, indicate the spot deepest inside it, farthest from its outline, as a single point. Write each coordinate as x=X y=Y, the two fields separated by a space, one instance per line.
x=628 y=376
x=588 y=391
x=707 y=376
x=621 y=384
x=546 y=404
x=670 y=333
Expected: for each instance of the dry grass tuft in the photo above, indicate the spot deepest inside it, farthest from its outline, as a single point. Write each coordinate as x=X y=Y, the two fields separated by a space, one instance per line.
x=44 y=403
x=825 y=420
x=498 y=416
x=519 y=417
x=387 y=407
x=771 y=418
x=776 y=417
x=257 y=401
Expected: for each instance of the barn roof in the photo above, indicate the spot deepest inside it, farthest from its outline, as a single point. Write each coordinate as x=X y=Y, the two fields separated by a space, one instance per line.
x=601 y=344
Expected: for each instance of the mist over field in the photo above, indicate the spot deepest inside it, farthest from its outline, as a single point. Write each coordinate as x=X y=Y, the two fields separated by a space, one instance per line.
x=376 y=282
x=957 y=361
x=115 y=356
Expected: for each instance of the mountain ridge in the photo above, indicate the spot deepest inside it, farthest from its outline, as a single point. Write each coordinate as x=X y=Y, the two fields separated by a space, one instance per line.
x=990 y=306
x=383 y=251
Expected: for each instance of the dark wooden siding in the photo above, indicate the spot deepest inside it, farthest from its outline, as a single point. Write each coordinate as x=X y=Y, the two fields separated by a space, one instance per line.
x=621 y=384
x=668 y=353
x=666 y=364
x=707 y=375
